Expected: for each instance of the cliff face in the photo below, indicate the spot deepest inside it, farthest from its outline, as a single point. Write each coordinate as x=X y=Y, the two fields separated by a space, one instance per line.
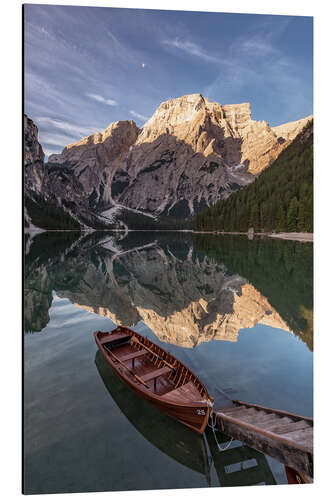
x=34 y=169
x=54 y=198
x=94 y=160
x=191 y=153
x=186 y=156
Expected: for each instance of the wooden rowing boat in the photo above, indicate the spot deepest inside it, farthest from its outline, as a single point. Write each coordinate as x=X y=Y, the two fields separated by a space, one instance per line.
x=172 y=438
x=283 y=435
x=157 y=376
x=295 y=477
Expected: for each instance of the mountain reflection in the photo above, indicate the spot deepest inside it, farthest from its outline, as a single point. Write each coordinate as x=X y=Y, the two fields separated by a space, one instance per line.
x=187 y=289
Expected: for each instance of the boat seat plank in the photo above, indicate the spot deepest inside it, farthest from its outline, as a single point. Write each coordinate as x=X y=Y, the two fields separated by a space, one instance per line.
x=262 y=421
x=272 y=421
x=283 y=428
x=133 y=355
x=240 y=413
x=156 y=373
x=300 y=436
x=260 y=415
x=186 y=392
x=113 y=337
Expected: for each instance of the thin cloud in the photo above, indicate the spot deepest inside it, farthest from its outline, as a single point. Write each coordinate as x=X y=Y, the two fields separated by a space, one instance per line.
x=55 y=134
x=67 y=128
x=99 y=98
x=56 y=139
x=191 y=48
x=139 y=116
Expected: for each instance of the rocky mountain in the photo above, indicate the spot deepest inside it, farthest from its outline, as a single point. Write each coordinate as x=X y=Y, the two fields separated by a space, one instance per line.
x=54 y=197
x=34 y=168
x=191 y=153
x=94 y=159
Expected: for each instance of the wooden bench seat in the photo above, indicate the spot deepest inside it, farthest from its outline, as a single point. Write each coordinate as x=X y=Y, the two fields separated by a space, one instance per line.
x=155 y=374
x=133 y=355
x=114 y=336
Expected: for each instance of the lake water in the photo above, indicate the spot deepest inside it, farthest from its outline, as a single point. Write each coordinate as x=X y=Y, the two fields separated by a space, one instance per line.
x=237 y=312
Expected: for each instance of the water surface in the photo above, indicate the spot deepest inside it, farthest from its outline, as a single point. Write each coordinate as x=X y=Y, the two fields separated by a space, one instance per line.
x=237 y=312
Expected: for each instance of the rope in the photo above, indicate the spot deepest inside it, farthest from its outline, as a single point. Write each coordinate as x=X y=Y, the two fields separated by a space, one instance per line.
x=212 y=418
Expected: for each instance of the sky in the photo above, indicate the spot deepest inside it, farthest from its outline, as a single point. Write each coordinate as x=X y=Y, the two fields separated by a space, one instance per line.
x=86 y=67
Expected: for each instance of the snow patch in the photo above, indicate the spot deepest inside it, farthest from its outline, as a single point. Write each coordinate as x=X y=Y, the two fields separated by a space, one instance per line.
x=116 y=210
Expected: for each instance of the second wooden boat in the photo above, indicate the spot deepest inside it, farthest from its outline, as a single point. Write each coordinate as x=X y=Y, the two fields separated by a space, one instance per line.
x=283 y=435
x=157 y=376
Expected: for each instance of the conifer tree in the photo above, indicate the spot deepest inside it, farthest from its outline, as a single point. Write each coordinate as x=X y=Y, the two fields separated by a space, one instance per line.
x=292 y=215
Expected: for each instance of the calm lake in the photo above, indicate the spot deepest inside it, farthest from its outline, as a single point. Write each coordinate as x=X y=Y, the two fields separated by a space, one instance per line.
x=238 y=312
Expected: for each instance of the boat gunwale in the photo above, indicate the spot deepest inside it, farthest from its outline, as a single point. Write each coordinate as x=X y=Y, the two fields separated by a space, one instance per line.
x=140 y=387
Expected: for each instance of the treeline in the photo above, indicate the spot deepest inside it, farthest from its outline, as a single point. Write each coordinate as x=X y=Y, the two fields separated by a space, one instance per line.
x=47 y=215
x=280 y=199
x=143 y=222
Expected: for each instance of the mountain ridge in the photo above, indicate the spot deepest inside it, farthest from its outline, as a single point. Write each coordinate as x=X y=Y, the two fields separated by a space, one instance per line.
x=188 y=155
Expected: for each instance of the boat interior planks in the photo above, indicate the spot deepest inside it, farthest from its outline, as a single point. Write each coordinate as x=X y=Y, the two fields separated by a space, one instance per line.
x=157 y=376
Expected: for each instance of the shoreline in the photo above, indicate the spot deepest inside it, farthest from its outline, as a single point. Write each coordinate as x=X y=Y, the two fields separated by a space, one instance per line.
x=303 y=237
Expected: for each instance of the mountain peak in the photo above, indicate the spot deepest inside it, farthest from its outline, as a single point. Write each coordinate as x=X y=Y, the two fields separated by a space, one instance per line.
x=191 y=153
x=288 y=131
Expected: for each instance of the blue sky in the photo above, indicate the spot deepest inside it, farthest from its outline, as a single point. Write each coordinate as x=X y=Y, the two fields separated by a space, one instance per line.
x=86 y=67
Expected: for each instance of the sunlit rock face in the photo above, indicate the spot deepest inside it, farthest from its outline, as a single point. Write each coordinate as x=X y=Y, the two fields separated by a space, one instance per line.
x=288 y=131
x=184 y=301
x=189 y=154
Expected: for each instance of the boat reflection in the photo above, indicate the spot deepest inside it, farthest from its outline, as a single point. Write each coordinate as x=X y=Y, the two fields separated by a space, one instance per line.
x=172 y=438
x=236 y=466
